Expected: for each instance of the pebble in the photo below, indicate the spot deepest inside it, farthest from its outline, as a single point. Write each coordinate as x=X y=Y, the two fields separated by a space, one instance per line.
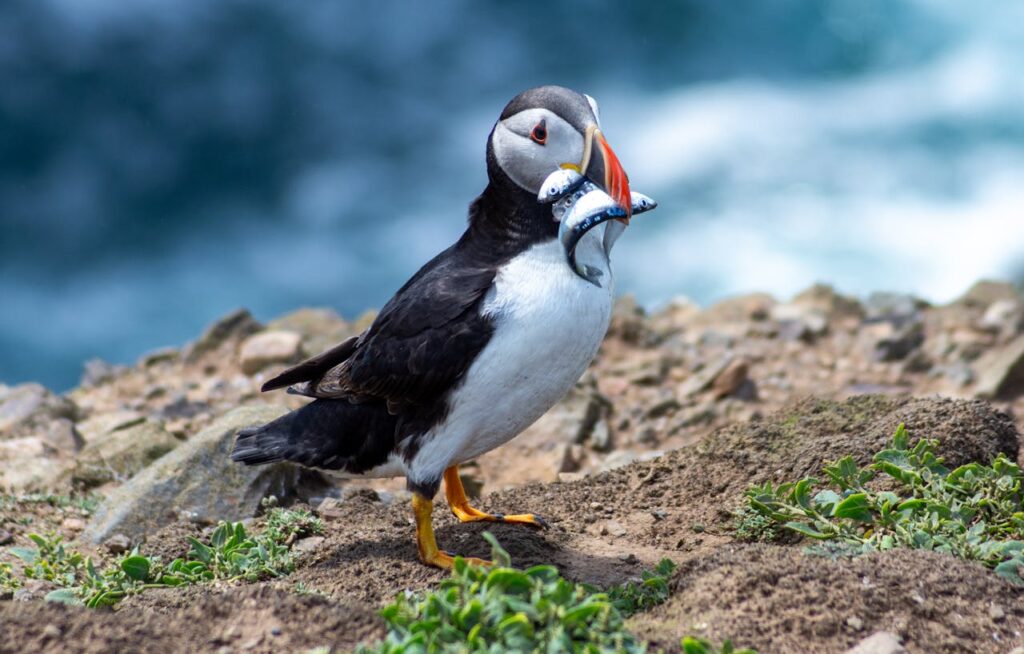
x=996 y=612
x=73 y=524
x=118 y=544
x=308 y=545
x=855 y=623
x=6 y=537
x=881 y=642
x=629 y=558
x=262 y=349
x=51 y=631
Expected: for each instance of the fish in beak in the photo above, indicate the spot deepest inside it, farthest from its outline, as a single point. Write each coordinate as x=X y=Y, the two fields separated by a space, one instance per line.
x=602 y=167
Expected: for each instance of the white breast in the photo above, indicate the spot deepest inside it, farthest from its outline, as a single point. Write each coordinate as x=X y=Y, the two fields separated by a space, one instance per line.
x=549 y=323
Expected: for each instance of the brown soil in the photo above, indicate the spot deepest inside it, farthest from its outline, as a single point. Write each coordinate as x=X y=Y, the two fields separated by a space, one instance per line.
x=605 y=529
x=780 y=599
x=250 y=618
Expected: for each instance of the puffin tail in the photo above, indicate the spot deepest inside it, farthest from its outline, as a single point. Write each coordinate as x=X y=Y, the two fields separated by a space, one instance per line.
x=330 y=434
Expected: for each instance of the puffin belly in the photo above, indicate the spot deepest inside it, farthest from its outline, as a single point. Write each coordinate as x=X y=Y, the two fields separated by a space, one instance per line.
x=549 y=324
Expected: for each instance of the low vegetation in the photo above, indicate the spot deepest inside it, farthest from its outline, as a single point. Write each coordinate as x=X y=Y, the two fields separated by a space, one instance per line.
x=905 y=498
x=230 y=554
x=499 y=608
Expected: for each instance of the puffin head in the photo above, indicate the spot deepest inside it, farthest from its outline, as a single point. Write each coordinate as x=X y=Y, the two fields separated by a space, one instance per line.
x=551 y=127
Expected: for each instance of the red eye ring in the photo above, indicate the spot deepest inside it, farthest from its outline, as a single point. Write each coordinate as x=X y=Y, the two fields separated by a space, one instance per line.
x=539 y=134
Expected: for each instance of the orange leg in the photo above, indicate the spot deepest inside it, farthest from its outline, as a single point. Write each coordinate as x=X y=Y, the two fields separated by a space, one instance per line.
x=423 y=508
x=459 y=503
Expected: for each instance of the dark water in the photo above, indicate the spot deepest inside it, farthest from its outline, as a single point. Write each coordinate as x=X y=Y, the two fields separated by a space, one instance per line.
x=164 y=161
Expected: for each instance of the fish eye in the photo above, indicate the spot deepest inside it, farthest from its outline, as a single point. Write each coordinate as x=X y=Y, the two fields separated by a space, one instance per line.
x=540 y=132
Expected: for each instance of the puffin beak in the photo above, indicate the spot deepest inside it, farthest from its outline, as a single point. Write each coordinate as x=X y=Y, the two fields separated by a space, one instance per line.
x=602 y=167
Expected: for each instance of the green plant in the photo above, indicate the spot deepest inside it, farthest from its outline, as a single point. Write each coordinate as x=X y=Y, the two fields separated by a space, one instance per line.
x=7 y=579
x=973 y=512
x=50 y=560
x=285 y=526
x=650 y=591
x=701 y=646
x=500 y=609
x=230 y=554
x=751 y=525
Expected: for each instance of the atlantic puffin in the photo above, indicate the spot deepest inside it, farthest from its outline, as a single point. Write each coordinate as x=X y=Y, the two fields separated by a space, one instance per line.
x=480 y=342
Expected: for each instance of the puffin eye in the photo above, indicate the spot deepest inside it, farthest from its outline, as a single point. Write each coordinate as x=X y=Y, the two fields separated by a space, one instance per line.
x=540 y=132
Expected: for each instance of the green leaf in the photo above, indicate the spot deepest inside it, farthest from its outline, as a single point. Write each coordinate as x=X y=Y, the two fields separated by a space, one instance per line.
x=26 y=554
x=63 y=596
x=1012 y=571
x=136 y=567
x=855 y=507
x=806 y=530
x=695 y=646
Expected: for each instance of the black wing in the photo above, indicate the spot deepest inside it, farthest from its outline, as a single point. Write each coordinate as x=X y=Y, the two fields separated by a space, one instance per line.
x=421 y=343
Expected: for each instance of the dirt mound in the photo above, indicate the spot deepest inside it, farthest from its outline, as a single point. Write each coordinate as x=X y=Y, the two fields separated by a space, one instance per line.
x=779 y=599
x=249 y=618
x=605 y=529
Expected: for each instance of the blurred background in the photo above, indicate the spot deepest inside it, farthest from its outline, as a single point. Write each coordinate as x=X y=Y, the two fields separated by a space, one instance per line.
x=165 y=161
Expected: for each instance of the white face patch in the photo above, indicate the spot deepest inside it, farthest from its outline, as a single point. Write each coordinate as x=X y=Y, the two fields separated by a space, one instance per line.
x=593 y=107
x=527 y=162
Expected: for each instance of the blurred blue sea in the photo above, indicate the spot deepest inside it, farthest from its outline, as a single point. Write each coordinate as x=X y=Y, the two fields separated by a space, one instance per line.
x=165 y=161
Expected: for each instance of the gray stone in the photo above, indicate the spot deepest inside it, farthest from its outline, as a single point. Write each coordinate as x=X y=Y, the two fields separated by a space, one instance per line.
x=573 y=419
x=731 y=380
x=30 y=406
x=98 y=371
x=266 y=348
x=25 y=464
x=985 y=292
x=236 y=325
x=892 y=307
x=199 y=478
x=321 y=329
x=1003 y=317
x=601 y=436
x=880 y=642
x=121 y=454
x=905 y=339
x=702 y=379
x=1000 y=371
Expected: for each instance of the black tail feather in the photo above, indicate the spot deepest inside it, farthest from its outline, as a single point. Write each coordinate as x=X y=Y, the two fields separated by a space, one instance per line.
x=329 y=434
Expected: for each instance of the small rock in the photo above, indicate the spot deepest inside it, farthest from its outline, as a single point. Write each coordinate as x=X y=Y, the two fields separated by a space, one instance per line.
x=51 y=631
x=199 y=477
x=1001 y=371
x=896 y=308
x=308 y=545
x=730 y=379
x=664 y=407
x=880 y=642
x=97 y=371
x=181 y=407
x=601 y=436
x=265 y=348
x=629 y=558
x=703 y=379
x=855 y=623
x=320 y=329
x=73 y=524
x=567 y=477
x=904 y=340
x=615 y=528
x=331 y=508
x=162 y=355
x=996 y=612
x=118 y=544
x=1003 y=317
x=6 y=537
x=237 y=324
x=986 y=292
x=628 y=322
x=30 y=406
x=121 y=454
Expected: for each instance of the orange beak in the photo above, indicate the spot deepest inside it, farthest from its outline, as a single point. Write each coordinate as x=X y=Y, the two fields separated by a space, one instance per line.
x=602 y=167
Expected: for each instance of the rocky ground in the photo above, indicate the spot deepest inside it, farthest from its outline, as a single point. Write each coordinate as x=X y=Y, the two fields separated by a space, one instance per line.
x=649 y=455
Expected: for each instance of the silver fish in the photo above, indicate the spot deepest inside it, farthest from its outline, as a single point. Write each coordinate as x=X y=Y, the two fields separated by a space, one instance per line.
x=586 y=212
x=559 y=184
